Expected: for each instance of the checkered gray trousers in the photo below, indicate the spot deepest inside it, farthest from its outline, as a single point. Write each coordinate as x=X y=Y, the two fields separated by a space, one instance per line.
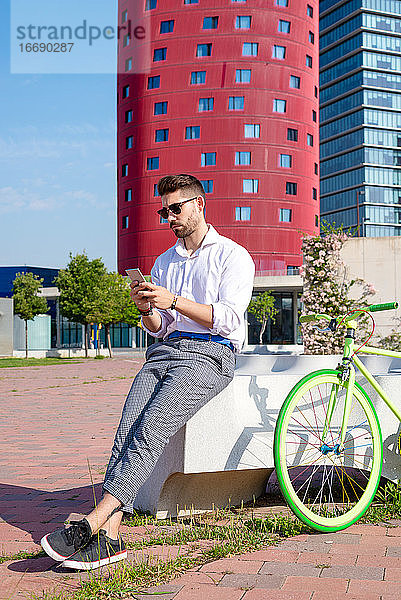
x=178 y=378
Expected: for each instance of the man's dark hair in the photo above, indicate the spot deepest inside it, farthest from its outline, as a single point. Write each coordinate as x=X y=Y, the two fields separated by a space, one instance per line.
x=172 y=183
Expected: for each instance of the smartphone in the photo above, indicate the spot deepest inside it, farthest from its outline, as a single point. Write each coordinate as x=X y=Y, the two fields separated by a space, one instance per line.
x=135 y=275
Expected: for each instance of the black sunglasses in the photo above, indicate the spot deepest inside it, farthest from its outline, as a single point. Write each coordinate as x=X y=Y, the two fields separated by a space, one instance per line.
x=175 y=208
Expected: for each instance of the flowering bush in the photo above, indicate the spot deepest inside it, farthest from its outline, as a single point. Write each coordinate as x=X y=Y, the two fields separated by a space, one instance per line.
x=327 y=289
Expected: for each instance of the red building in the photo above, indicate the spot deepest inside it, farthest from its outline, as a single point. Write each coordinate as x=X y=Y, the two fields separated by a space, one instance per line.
x=231 y=97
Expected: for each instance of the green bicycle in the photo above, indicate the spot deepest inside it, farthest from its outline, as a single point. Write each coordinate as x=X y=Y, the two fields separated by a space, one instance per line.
x=327 y=442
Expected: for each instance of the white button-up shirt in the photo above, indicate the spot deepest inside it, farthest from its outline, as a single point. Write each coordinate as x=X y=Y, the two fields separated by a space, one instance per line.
x=219 y=273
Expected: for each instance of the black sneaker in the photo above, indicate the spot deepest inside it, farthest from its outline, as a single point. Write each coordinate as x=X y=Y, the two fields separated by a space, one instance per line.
x=100 y=551
x=63 y=543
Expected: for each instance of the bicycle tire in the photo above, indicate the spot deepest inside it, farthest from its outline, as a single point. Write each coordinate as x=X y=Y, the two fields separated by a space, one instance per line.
x=302 y=464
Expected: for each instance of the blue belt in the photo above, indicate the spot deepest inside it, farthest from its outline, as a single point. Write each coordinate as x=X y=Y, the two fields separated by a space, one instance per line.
x=207 y=337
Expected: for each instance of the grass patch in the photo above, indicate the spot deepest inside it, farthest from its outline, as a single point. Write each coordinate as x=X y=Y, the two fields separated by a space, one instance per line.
x=34 y=362
x=22 y=555
x=386 y=504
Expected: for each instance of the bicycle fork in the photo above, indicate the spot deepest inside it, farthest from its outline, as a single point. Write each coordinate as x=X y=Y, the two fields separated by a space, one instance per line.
x=347 y=374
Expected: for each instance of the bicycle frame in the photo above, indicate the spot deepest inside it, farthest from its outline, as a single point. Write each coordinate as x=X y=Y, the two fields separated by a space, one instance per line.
x=348 y=359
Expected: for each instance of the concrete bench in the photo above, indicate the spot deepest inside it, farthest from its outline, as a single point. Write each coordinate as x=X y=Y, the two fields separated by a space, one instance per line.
x=224 y=454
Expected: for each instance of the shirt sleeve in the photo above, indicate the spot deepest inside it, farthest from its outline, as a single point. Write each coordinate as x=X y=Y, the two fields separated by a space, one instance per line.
x=235 y=292
x=166 y=316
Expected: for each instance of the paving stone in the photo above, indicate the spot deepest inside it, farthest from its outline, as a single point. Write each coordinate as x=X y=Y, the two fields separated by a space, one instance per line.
x=260 y=594
x=285 y=569
x=271 y=553
x=376 y=587
x=394 y=551
x=166 y=592
x=354 y=572
x=192 y=577
x=316 y=558
x=310 y=545
x=379 y=561
x=339 y=538
x=368 y=529
x=392 y=574
x=208 y=592
x=232 y=565
x=316 y=584
x=250 y=581
x=378 y=549
x=363 y=594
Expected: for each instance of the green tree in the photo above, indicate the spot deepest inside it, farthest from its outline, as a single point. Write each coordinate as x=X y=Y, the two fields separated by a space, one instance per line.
x=263 y=309
x=27 y=303
x=114 y=304
x=80 y=285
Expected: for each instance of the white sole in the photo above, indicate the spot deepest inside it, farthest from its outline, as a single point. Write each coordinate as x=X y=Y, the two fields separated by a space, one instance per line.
x=87 y=566
x=50 y=551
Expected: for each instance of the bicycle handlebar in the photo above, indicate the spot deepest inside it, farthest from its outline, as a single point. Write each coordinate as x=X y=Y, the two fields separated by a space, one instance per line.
x=387 y=306
x=354 y=315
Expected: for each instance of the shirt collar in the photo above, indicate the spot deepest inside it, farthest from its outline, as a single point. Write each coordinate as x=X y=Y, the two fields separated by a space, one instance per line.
x=210 y=238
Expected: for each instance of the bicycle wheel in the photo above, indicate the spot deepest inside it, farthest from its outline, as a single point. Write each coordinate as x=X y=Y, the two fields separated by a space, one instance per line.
x=327 y=488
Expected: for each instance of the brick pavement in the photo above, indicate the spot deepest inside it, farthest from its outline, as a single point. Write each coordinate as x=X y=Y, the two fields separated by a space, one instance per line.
x=55 y=419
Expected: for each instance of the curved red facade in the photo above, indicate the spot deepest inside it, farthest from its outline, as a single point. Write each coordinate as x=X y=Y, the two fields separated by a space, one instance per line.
x=273 y=241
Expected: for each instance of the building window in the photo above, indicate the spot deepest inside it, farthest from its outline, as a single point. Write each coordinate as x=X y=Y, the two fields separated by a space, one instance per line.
x=191 y=1
x=129 y=142
x=128 y=195
x=242 y=22
x=250 y=49
x=160 y=108
x=314 y=116
x=204 y=50
x=125 y=91
x=285 y=161
x=311 y=37
x=308 y=61
x=285 y=215
x=309 y=10
x=243 y=76
x=159 y=54
x=282 y=3
x=210 y=22
x=163 y=220
x=284 y=26
x=316 y=91
x=314 y=193
x=242 y=158
x=128 y=116
x=309 y=139
x=150 y=4
x=198 y=77
x=124 y=223
x=291 y=188
x=153 y=82
x=124 y=16
x=279 y=105
x=242 y=213
x=167 y=26
x=295 y=82
x=128 y=64
x=250 y=186
x=207 y=185
x=126 y=41
x=316 y=169
x=192 y=132
x=292 y=134
x=124 y=170
x=208 y=159
x=152 y=163
x=161 y=135
x=251 y=130
x=279 y=52
x=236 y=103
x=206 y=104
x=155 y=190
x=316 y=221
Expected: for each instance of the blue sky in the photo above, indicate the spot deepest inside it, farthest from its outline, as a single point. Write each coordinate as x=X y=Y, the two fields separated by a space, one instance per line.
x=57 y=160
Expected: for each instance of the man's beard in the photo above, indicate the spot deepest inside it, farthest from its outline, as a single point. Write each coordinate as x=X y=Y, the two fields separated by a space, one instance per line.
x=188 y=228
